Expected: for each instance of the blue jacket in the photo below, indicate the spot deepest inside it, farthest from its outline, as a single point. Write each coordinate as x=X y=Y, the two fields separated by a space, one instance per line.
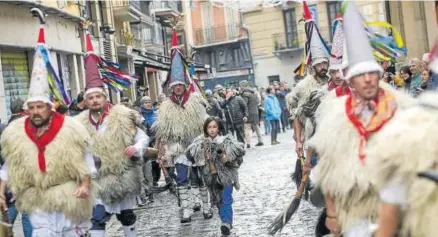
x=149 y=115
x=272 y=108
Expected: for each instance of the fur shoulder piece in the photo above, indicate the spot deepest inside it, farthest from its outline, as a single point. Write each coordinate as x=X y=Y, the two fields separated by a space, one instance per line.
x=393 y=161
x=66 y=166
x=234 y=149
x=340 y=172
x=180 y=124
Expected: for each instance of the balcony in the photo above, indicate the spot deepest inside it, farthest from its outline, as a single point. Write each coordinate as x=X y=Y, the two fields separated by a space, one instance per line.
x=166 y=11
x=126 y=10
x=145 y=37
x=286 y=43
x=218 y=34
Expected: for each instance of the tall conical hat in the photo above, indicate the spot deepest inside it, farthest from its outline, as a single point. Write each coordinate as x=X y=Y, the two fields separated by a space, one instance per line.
x=337 y=58
x=39 y=89
x=178 y=72
x=45 y=83
x=93 y=81
x=360 y=54
x=318 y=51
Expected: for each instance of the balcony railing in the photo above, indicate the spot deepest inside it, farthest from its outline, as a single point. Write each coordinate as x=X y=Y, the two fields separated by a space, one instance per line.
x=173 y=5
x=217 y=34
x=136 y=7
x=284 y=41
x=144 y=35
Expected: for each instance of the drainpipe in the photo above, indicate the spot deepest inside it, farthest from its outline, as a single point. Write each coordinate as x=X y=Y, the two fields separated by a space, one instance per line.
x=246 y=29
x=388 y=11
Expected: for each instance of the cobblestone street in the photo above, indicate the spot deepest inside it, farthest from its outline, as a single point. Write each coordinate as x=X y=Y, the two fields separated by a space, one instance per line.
x=266 y=189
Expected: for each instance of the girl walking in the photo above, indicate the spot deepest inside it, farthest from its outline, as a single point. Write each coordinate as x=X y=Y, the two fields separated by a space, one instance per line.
x=219 y=158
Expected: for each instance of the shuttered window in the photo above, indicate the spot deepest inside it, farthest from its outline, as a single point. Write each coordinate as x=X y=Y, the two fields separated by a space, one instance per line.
x=15 y=70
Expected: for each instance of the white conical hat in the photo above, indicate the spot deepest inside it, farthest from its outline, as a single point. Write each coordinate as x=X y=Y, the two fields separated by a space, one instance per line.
x=338 y=45
x=39 y=89
x=318 y=52
x=360 y=54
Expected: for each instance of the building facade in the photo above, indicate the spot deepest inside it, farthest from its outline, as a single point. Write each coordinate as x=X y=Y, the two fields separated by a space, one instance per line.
x=217 y=38
x=63 y=35
x=278 y=37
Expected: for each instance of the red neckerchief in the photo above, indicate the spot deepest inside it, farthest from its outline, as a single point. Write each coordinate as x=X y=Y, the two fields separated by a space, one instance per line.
x=342 y=90
x=331 y=85
x=181 y=102
x=41 y=142
x=102 y=117
x=384 y=109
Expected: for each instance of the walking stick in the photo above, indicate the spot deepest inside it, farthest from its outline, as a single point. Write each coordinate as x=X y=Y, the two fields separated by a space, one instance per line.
x=281 y=220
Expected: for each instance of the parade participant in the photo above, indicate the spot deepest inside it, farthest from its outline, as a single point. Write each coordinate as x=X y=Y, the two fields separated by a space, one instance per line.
x=179 y=121
x=46 y=163
x=345 y=128
x=315 y=79
x=408 y=204
x=219 y=157
x=117 y=145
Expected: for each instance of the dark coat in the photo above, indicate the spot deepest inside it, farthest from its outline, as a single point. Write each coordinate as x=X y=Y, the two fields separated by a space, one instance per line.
x=238 y=109
x=215 y=109
x=251 y=101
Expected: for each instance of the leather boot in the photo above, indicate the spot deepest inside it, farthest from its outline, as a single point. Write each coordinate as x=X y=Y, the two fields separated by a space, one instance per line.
x=185 y=209
x=206 y=206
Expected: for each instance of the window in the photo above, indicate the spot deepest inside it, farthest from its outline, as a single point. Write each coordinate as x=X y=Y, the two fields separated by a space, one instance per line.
x=332 y=10
x=271 y=79
x=88 y=14
x=236 y=57
x=290 y=23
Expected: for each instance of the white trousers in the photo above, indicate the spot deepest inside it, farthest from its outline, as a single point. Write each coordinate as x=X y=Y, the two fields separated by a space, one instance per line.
x=361 y=228
x=55 y=224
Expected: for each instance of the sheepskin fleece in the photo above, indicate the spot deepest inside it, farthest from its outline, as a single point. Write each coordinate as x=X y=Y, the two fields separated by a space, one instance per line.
x=228 y=172
x=179 y=126
x=406 y=146
x=339 y=172
x=66 y=167
x=118 y=177
x=298 y=97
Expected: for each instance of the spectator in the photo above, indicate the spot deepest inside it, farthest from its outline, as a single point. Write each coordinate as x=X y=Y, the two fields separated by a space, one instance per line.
x=238 y=113
x=148 y=112
x=273 y=113
x=265 y=122
x=78 y=105
x=416 y=79
x=63 y=109
x=433 y=77
x=17 y=109
x=405 y=74
x=281 y=97
x=126 y=102
x=214 y=109
x=252 y=103
x=426 y=79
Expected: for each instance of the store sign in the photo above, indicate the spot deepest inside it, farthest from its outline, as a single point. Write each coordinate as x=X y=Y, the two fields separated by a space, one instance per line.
x=234 y=73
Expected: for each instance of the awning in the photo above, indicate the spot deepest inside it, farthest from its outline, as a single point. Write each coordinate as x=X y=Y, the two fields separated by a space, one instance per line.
x=47 y=9
x=150 y=60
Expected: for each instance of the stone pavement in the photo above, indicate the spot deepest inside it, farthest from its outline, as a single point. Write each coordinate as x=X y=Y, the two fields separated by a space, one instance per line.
x=266 y=189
